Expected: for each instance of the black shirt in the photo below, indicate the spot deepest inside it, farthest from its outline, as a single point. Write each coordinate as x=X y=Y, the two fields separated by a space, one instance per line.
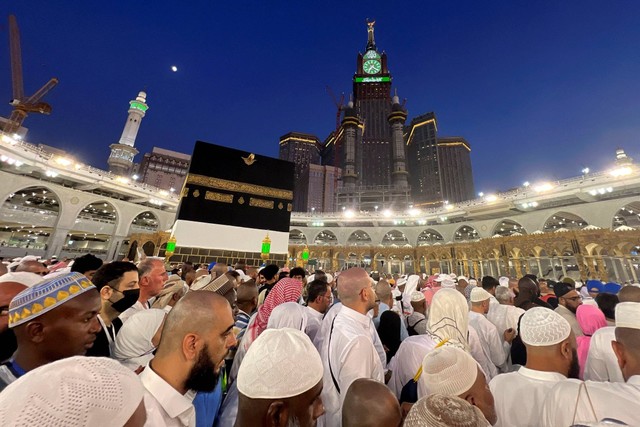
x=101 y=344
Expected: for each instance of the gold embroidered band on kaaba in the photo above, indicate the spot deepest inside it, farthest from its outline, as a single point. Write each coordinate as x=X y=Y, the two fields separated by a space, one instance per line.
x=240 y=187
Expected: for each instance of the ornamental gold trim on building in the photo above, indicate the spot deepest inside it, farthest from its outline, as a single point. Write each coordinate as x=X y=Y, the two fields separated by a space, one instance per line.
x=218 y=197
x=260 y=203
x=240 y=187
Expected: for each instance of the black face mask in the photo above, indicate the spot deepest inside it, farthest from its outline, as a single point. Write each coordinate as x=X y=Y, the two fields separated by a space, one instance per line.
x=129 y=298
x=8 y=344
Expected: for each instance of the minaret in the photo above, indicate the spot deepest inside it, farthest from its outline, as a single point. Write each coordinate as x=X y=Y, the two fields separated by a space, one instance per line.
x=350 y=125
x=397 y=118
x=122 y=154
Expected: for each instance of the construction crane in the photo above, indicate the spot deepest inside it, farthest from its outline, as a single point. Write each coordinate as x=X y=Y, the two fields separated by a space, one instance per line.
x=23 y=105
x=339 y=106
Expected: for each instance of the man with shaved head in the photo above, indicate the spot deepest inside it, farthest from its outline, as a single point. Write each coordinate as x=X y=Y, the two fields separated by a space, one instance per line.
x=8 y=343
x=348 y=352
x=33 y=267
x=369 y=403
x=576 y=402
x=197 y=334
x=602 y=364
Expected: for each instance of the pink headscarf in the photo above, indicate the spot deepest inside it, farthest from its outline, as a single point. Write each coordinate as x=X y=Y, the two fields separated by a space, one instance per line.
x=590 y=318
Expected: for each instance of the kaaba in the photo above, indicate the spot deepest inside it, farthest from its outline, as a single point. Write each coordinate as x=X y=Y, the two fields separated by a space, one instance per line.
x=232 y=199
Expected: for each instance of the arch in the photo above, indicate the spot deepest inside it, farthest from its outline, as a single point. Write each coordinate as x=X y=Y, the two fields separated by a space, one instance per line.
x=394 y=238
x=326 y=237
x=92 y=230
x=146 y=221
x=508 y=227
x=628 y=215
x=465 y=232
x=297 y=237
x=564 y=220
x=28 y=217
x=428 y=237
x=359 y=237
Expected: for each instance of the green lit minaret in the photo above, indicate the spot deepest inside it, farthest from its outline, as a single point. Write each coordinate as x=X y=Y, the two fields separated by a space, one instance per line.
x=122 y=154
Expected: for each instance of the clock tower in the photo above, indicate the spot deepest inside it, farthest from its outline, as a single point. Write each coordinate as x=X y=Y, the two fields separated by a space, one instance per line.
x=372 y=101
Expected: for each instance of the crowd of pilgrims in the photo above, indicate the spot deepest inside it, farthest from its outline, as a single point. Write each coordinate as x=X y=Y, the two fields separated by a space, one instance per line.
x=84 y=343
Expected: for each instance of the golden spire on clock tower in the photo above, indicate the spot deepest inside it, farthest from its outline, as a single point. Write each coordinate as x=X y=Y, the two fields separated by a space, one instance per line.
x=371 y=42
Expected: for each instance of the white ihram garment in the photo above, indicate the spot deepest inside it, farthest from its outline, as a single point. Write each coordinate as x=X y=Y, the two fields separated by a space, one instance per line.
x=602 y=363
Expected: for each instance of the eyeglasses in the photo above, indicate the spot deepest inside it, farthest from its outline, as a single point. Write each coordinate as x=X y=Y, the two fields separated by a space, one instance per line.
x=574 y=299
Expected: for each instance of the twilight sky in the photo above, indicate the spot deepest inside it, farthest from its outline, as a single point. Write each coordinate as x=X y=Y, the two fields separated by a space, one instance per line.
x=539 y=89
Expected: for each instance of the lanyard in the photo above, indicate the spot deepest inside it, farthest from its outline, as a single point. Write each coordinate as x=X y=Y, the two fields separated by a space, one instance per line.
x=109 y=332
x=16 y=369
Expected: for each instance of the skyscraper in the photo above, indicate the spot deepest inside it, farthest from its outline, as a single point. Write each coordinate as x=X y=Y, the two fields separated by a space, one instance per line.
x=121 y=158
x=372 y=102
x=302 y=149
x=424 y=170
x=454 y=155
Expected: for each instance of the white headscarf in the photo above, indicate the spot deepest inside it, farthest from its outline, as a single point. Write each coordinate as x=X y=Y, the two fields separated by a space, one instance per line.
x=76 y=391
x=409 y=289
x=133 y=344
x=449 y=317
x=288 y=315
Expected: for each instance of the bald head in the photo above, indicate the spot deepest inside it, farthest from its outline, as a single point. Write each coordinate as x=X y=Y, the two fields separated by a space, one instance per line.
x=629 y=294
x=383 y=291
x=32 y=267
x=8 y=290
x=351 y=282
x=196 y=313
x=369 y=403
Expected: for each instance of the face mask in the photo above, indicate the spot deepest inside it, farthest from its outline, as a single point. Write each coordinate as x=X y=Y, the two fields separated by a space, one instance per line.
x=129 y=298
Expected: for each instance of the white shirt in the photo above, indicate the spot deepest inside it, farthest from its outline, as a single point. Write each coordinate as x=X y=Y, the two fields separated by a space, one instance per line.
x=494 y=349
x=504 y=316
x=138 y=306
x=349 y=353
x=407 y=361
x=165 y=405
x=314 y=321
x=602 y=364
x=620 y=401
x=519 y=395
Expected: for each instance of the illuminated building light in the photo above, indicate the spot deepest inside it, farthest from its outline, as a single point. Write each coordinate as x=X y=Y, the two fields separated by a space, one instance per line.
x=387 y=213
x=51 y=174
x=540 y=188
x=63 y=161
x=349 y=213
x=491 y=198
x=122 y=180
x=526 y=184
x=623 y=171
x=414 y=212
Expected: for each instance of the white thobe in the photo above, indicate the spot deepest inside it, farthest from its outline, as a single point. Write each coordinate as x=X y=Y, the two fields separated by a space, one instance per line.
x=519 y=395
x=570 y=317
x=602 y=363
x=348 y=352
x=495 y=350
x=164 y=404
x=314 y=321
x=504 y=316
x=135 y=308
x=407 y=361
x=620 y=401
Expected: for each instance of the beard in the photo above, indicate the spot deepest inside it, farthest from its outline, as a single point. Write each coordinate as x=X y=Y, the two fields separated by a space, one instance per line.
x=8 y=344
x=574 y=368
x=203 y=376
x=293 y=422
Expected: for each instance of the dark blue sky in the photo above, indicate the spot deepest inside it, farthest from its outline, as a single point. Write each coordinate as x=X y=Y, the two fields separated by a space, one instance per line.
x=539 y=89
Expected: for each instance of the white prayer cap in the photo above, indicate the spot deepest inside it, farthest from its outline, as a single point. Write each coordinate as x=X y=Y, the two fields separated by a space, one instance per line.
x=438 y=410
x=402 y=280
x=452 y=275
x=288 y=315
x=478 y=294
x=281 y=363
x=504 y=281
x=441 y=277
x=628 y=315
x=448 y=370
x=29 y=258
x=329 y=278
x=201 y=282
x=473 y=282
x=23 y=277
x=462 y=278
x=76 y=391
x=311 y=278
x=541 y=327
x=448 y=282
x=417 y=296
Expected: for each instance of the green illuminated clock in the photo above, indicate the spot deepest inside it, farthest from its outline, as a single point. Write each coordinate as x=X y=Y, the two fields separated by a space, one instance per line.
x=371 y=66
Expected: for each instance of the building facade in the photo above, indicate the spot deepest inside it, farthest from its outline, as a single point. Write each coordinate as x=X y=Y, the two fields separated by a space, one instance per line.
x=454 y=158
x=164 y=169
x=424 y=169
x=303 y=150
x=121 y=157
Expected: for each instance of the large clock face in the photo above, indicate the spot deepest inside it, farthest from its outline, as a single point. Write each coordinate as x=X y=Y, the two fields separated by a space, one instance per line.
x=371 y=66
